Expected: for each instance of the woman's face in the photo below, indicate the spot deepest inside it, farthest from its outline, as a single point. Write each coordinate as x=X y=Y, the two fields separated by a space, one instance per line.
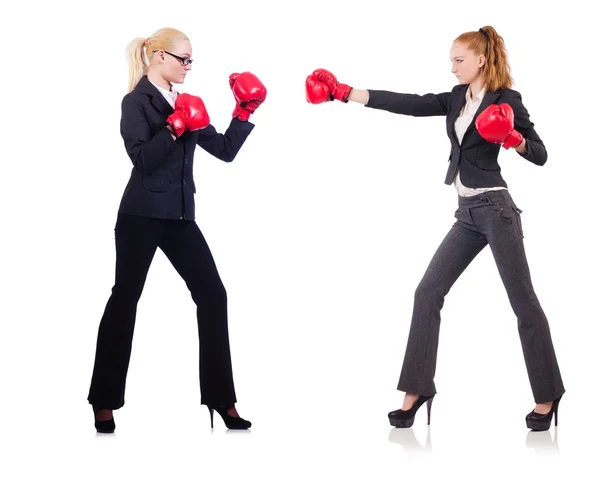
x=466 y=65
x=174 y=69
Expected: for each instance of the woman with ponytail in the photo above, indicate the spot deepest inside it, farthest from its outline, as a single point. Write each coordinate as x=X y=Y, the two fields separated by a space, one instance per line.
x=160 y=130
x=482 y=113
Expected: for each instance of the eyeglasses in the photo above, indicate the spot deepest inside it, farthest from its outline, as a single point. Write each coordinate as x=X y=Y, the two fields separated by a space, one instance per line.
x=184 y=61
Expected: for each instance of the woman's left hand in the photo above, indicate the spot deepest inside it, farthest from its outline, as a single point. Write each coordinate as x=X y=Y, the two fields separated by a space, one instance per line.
x=496 y=125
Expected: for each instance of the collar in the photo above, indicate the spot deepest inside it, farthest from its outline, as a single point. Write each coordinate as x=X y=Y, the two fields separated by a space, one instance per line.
x=164 y=91
x=479 y=96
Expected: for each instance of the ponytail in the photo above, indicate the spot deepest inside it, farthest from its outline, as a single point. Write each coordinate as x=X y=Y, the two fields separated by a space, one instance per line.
x=136 y=58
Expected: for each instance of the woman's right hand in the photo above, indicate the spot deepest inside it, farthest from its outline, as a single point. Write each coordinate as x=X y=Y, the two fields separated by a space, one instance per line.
x=322 y=85
x=189 y=114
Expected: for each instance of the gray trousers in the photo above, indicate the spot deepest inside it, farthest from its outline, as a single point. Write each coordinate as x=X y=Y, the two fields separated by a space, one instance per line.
x=489 y=218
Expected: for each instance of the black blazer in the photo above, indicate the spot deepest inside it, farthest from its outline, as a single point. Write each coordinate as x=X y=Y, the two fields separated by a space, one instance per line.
x=478 y=158
x=161 y=183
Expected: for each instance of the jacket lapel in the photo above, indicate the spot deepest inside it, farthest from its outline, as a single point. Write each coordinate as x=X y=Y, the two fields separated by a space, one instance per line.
x=458 y=102
x=488 y=99
x=157 y=99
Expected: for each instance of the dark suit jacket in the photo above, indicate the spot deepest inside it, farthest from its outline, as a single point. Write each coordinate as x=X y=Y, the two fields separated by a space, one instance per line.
x=161 y=183
x=478 y=158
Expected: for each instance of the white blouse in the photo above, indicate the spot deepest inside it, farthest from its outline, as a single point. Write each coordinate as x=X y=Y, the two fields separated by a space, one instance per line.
x=460 y=127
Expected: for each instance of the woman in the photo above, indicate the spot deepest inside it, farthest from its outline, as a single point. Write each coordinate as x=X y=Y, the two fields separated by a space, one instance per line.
x=482 y=113
x=161 y=130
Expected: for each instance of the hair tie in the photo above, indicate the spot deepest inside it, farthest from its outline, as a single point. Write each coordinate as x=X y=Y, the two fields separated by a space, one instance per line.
x=485 y=34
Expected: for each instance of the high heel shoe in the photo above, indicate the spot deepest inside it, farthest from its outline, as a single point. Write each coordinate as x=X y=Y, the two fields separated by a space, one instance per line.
x=230 y=421
x=406 y=418
x=542 y=422
x=107 y=426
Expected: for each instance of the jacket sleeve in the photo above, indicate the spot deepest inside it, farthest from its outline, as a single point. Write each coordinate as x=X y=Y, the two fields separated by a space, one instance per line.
x=430 y=104
x=147 y=151
x=536 y=151
x=225 y=146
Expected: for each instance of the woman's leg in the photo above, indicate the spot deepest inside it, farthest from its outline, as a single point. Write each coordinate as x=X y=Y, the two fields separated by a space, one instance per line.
x=460 y=246
x=189 y=253
x=136 y=239
x=505 y=236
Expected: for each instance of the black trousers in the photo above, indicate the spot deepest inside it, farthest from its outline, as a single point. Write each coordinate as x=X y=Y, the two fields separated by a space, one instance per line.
x=137 y=238
x=489 y=218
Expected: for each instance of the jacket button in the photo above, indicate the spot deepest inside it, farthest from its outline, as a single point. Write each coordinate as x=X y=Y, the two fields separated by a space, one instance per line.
x=185 y=160
x=184 y=182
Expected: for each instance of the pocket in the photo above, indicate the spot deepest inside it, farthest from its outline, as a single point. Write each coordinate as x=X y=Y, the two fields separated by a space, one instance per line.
x=463 y=215
x=506 y=214
x=487 y=163
x=156 y=183
x=486 y=157
x=518 y=212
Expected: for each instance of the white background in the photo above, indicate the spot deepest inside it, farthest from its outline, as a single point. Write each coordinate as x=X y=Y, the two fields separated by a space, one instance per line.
x=321 y=228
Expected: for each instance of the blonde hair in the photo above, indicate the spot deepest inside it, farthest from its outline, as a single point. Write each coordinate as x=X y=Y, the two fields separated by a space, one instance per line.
x=139 y=52
x=487 y=42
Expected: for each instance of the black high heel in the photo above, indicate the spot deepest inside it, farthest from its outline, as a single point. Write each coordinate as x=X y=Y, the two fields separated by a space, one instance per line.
x=542 y=422
x=230 y=421
x=402 y=418
x=107 y=426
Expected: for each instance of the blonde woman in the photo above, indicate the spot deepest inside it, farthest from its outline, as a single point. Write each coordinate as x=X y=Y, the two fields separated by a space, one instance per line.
x=160 y=129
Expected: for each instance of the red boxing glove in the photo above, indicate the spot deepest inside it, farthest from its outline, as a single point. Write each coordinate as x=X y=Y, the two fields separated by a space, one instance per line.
x=249 y=93
x=189 y=114
x=322 y=85
x=496 y=125
x=316 y=91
